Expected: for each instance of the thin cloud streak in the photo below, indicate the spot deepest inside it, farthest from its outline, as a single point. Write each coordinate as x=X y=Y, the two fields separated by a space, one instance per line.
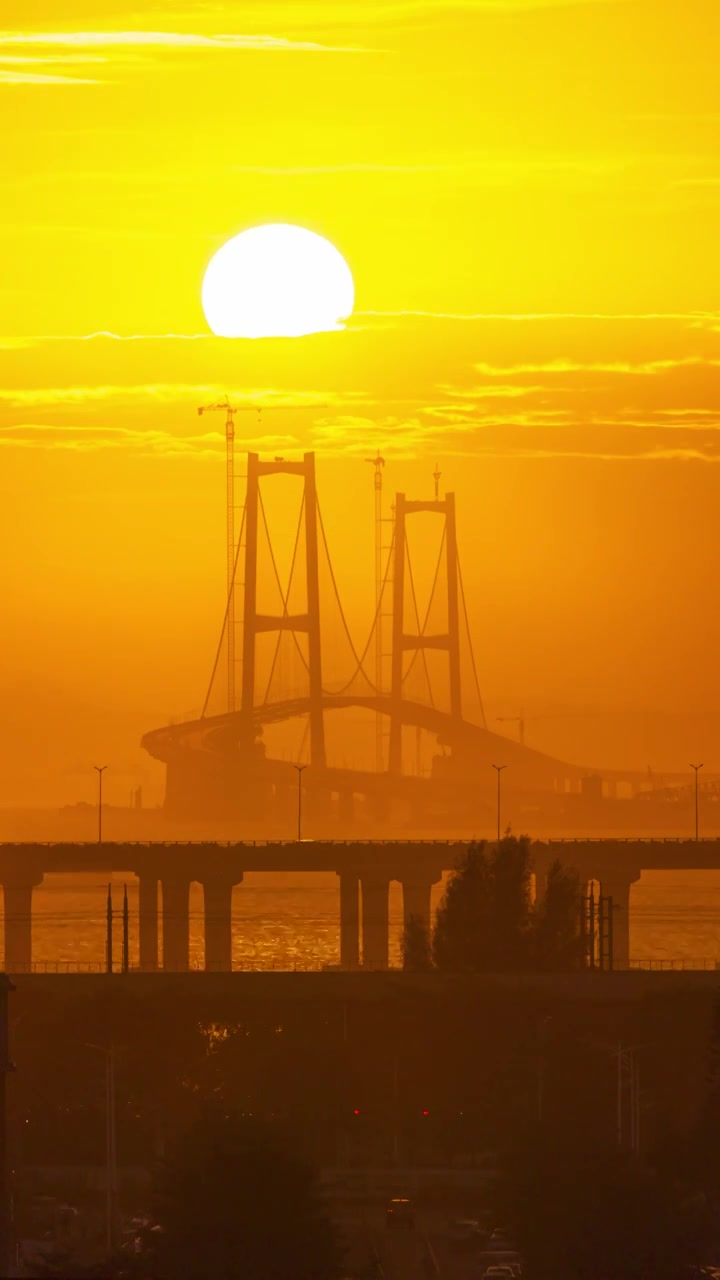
x=169 y=392
x=703 y=316
x=165 y=40
x=39 y=78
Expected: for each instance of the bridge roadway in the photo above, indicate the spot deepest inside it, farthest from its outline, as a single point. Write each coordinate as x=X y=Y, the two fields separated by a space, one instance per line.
x=364 y=869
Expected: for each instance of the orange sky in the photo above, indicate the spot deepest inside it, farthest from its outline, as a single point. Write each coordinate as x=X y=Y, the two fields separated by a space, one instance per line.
x=527 y=194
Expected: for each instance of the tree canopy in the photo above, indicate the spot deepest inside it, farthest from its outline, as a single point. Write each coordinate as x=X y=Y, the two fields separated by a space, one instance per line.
x=233 y=1200
x=590 y=1215
x=488 y=922
x=416 y=946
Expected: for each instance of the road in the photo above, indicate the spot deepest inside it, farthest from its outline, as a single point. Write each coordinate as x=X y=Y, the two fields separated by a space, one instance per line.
x=375 y=1252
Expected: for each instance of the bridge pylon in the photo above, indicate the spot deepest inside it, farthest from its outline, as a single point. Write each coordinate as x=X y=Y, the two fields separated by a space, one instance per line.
x=402 y=641
x=255 y=623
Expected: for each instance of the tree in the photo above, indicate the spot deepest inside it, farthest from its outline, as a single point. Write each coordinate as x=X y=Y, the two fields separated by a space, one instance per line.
x=416 y=946
x=234 y=1201
x=558 y=943
x=484 y=921
x=592 y=1214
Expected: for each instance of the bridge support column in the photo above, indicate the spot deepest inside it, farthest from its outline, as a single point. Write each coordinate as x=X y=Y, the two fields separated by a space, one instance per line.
x=148 y=919
x=416 y=902
x=375 y=921
x=616 y=885
x=17 y=902
x=349 y=920
x=176 y=922
x=218 y=923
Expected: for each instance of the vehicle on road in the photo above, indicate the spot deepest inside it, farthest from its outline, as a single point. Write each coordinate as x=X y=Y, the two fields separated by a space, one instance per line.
x=400 y=1212
x=503 y=1270
x=466 y=1234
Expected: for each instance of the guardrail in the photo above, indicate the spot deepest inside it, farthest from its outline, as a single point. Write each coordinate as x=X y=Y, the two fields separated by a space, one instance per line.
x=680 y=963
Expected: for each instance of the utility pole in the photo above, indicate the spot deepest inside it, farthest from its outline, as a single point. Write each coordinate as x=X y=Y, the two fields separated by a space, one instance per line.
x=378 y=463
x=395 y=1108
x=110 y=1145
x=100 y=771
x=111 y=1148
x=6 y=1066
x=126 y=932
x=300 y=768
x=109 y=932
x=697 y=768
x=499 y=768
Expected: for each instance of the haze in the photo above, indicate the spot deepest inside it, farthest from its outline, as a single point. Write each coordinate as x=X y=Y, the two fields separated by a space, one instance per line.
x=527 y=196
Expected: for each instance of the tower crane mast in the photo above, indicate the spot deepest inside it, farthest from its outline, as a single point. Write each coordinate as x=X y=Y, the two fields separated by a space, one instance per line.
x=229 y=410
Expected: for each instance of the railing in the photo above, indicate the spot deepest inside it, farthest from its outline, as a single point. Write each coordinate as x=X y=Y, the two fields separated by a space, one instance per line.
x=99 y=966
x=281 y=844
x=672 y=964
x=681 y=963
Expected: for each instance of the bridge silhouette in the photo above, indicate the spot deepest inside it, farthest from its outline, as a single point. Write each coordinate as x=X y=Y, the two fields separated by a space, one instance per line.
x=217 y=764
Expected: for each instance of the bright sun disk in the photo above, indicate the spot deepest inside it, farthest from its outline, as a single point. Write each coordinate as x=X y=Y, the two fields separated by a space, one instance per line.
x=277 y=281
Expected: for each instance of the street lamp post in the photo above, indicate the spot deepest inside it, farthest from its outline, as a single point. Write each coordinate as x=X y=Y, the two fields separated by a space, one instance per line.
x=697 y=768
x=110 y=1146
x=100 y=771
x=300 y=768
x=499 y=768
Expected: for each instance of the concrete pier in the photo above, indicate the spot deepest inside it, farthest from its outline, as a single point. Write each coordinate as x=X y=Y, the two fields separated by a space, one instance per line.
x=176 y=922
x=148 y=921
x=616 y=885
x=375 y=920
x=416 y=902
x=17 y=905
x=349 y=920
x=218 y=923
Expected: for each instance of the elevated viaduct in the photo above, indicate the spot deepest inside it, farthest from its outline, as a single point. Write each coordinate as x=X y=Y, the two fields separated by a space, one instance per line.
x=364 y=870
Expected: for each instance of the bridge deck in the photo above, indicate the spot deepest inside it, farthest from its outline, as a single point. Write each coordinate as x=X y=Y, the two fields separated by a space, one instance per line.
x=335 y=856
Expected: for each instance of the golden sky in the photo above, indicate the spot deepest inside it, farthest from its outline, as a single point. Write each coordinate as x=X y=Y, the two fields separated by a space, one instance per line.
x=527 y=194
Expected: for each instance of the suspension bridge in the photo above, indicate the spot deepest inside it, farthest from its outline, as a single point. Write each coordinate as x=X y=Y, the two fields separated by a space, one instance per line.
x=219 y=764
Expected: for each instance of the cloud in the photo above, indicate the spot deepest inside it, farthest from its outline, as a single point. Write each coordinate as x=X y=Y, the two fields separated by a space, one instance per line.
x=700 y=317
x=248 y=398
x=644 y=369
x=22 y=342
x=77 y=438
x=182 y=40
x=37 y=78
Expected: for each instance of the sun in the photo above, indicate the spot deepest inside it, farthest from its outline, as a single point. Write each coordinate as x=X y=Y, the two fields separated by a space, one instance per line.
x=277 y=281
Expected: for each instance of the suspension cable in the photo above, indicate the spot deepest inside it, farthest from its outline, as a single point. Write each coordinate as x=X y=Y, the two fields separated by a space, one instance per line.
x=277 y=575
x=285 y=599
x=339 y=692
x=413 y=660
x=224 y=622
x=353 y=650
x=470 y=643
x=420 y=648
x=304 y=738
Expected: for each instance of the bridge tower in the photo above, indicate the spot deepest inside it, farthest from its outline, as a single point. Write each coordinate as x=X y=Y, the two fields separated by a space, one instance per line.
x=309 y=622
x=449 y=640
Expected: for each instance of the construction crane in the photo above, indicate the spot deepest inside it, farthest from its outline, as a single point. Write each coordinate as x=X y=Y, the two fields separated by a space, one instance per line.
x=378 y=463
x=522 y=720
x=224 y=406
x=519 y=721
x=229 y=410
